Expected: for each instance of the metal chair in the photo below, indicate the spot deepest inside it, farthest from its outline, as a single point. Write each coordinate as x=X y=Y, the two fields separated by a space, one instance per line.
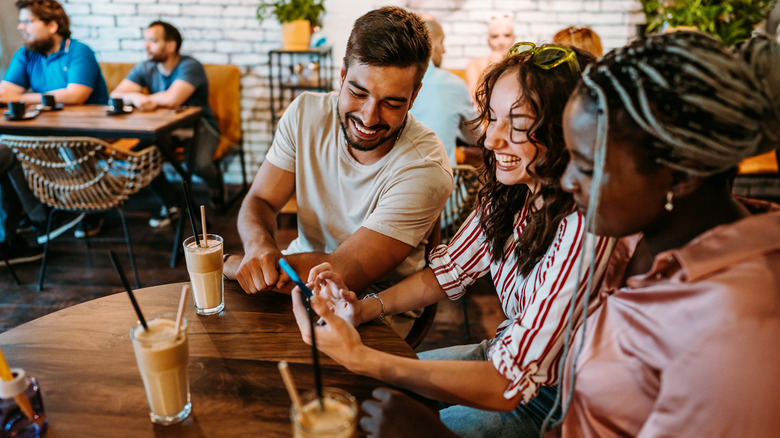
x=457 y=209
x=82 y=174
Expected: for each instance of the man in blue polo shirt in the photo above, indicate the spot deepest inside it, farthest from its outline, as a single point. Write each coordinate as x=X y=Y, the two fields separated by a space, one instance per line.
x=52 y=63
x=173 y=80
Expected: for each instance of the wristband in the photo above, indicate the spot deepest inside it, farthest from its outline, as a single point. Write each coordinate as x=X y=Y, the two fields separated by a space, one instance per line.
x=382 y=303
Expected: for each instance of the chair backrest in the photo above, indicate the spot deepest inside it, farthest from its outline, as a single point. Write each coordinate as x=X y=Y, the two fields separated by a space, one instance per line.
x=82 y=173
x=225 y=102
x=461 y=201
x=224 y=98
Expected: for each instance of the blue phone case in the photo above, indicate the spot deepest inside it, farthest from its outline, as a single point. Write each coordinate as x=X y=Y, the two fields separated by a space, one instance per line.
x=295 y=278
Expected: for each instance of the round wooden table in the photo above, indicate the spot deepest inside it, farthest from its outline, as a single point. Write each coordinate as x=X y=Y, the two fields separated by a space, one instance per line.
x=83 y=359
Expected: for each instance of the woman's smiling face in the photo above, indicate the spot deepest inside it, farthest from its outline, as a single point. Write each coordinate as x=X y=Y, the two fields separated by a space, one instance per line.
x=507 y=133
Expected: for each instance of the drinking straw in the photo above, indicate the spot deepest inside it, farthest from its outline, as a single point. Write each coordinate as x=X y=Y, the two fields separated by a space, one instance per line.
x=118 y=269
x=190 y=213
x=21 y=398
x=291 y=389
x=314 y=354
x=203 y=225
x=184 y=290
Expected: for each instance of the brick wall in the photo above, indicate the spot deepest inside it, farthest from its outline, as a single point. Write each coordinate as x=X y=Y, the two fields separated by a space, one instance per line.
x=226 y=31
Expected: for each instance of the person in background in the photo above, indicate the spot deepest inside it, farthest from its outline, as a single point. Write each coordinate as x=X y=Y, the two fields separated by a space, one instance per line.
x=687 y=319
x=443 y=103
x=50 y=62
x=581 y=37
x=524 y=232
x=173 y=80
x=501 y=36
x=369 y=179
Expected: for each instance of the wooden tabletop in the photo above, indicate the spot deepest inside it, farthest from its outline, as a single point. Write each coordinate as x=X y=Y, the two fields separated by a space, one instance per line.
x=94 y=121
x=84 y=361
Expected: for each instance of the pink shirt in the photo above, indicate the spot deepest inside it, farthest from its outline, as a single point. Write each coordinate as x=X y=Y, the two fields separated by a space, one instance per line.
x=528 y=344
x=692 y=348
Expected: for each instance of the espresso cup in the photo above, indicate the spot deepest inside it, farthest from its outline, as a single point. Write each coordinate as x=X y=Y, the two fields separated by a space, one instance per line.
x=48 y=100
x=117 y=104
x=16 y=109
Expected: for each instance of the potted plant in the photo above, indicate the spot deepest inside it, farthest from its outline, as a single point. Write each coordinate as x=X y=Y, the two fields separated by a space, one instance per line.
x=732 y=21
x=296 y=17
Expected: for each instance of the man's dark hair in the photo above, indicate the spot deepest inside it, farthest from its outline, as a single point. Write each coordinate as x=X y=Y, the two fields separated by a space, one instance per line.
x=390 y=37
x=170 y=32
x=48 y=11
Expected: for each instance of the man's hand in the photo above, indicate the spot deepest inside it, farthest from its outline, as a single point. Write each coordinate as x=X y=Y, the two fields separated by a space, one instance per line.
x=259 y=270
x=143 y=102
x=393 y=414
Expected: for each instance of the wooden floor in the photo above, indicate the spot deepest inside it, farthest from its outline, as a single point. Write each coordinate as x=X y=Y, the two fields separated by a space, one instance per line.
x=76 y=273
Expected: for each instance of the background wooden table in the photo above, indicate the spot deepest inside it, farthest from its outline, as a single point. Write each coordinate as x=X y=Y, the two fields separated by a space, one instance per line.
x=84 y=361
x=93 y=121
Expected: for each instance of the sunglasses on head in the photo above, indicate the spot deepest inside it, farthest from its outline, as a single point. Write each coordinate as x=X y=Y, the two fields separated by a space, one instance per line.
x=548 y=57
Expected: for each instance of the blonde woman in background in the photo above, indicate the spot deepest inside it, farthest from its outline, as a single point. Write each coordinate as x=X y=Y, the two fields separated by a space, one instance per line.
x=581 y=37
x=501 y=36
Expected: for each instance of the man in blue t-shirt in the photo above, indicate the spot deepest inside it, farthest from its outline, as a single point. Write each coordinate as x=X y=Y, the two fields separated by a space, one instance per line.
x=50 y=62
x=173 y=80
x=443 y=103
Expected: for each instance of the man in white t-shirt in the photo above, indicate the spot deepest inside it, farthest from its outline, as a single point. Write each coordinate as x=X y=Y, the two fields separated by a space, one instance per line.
x=370 y=180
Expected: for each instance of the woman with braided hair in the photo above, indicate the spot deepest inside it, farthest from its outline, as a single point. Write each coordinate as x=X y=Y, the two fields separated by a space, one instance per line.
x=685 y=337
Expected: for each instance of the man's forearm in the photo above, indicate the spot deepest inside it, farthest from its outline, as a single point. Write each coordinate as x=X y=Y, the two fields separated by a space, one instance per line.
x=256 y=223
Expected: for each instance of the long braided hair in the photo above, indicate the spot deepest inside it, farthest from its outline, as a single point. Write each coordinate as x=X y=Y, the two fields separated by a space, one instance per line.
x=546 y=93
x=702 y=107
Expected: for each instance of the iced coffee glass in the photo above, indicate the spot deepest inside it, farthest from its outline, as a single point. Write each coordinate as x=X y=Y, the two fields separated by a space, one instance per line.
x=162 y=357
x=204 y=264
x=337 y=420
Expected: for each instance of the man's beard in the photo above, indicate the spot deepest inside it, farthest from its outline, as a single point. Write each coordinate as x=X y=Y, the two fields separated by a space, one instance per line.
x=157 y=57
x=364 y=146
x=42 y=46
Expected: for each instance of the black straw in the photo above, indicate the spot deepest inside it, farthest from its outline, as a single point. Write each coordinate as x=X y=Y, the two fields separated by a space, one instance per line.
x=315 y=355
x=188 y=201
x=118 y=269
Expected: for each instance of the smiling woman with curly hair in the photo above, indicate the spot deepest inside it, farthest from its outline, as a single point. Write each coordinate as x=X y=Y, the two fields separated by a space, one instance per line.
x=525 y=232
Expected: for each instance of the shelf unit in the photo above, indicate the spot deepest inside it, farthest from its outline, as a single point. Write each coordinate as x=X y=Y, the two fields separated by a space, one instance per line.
x=295 y=71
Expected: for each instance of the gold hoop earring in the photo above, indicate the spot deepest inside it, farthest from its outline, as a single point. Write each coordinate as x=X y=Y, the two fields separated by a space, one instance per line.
x=669 y=206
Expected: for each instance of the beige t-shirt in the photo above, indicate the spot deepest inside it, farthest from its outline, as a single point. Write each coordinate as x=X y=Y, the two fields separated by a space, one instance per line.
x=399 y=196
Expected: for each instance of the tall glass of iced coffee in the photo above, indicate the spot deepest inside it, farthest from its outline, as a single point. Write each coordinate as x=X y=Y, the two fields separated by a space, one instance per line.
x=204 y=264
x=162 y=356
x=338 y=419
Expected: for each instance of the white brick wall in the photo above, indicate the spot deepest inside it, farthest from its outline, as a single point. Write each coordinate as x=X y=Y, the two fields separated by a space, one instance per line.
x=226 y=31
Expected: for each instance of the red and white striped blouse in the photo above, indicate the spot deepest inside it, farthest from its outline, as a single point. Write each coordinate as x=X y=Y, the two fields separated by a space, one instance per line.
x=527 y=346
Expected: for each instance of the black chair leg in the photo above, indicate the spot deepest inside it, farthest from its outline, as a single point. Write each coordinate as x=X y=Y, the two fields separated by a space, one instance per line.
x=45 y=251
x=177 y=237
x=10 y=268
x=129 y=248
x=466 y=326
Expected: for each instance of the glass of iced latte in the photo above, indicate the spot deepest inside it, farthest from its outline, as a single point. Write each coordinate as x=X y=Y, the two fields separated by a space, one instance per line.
x=204 y=264
x=338 y=419
x=162 y=356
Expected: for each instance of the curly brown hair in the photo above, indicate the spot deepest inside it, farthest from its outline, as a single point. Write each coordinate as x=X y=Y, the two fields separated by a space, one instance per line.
x=546 y=93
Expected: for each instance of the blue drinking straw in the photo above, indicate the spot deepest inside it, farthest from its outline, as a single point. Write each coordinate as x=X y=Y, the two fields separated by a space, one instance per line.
x=314 y=354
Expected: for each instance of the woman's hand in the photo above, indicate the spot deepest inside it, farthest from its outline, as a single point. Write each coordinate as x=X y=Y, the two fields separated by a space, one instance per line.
x=335 y=336
x=330 y=286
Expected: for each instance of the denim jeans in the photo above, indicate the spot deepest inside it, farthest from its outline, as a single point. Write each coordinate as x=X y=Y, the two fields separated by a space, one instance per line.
x=15 y=196
x=524 y=421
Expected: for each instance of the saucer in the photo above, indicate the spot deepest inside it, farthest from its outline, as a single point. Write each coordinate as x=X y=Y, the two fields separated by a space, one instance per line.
x=56 y=107
x=127 y=109
x=27 y=116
